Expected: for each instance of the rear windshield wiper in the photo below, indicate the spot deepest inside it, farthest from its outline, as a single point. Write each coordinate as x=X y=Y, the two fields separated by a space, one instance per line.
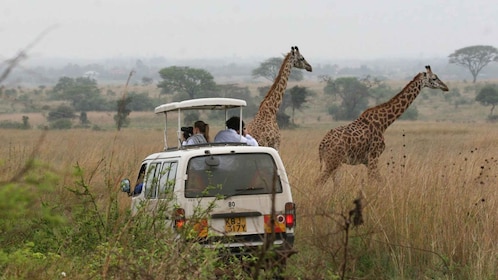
x=242 y=190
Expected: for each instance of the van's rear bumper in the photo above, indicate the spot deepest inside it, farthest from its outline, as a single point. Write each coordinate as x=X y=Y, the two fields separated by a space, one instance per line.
x=251 y=244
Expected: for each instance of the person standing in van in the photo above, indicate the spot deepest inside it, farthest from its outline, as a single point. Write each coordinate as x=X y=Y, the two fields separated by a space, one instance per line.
x=200 y=136
x=232 y=133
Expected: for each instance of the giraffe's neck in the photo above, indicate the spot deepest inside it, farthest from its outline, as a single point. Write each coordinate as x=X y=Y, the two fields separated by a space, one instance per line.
x=383 y=115
x=273 y=98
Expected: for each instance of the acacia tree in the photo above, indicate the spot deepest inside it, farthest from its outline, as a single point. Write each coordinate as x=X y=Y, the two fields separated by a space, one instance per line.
x=191 y=81
x=488 y=95
x=269 y=68
x=475 y=58
x=354 y=94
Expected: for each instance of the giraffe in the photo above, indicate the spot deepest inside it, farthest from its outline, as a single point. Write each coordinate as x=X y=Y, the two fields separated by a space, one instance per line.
x=264 y=127
x=362 y=141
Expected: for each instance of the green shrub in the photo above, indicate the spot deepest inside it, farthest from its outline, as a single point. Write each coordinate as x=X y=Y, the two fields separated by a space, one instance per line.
x=61 y=124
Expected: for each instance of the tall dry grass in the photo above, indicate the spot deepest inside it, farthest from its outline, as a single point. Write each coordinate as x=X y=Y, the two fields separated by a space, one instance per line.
x=434 y=214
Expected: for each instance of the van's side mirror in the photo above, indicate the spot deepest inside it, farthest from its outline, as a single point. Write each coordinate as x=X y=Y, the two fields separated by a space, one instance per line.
x=125 y=186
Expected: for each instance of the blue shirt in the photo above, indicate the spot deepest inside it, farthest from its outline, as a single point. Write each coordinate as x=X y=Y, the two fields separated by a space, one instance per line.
x=229 y=135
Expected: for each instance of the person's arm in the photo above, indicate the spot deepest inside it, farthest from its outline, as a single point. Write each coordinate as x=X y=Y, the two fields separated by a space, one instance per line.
x=250 y=140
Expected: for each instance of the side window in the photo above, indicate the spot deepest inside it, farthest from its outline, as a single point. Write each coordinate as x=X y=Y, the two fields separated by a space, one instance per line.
x=160 y=179
x=168 y=177
x=152 y=180
x=140 y=180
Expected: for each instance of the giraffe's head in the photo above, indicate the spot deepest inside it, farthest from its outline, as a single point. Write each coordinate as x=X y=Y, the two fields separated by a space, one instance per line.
x=431 y=80
x=298 y=60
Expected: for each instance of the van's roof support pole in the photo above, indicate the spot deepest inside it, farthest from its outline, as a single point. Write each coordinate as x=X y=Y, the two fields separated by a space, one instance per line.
x=241 y=130
x=165 y=131
x=179 y=131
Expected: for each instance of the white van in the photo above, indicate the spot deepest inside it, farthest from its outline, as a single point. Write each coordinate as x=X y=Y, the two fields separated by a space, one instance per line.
x=243 y=189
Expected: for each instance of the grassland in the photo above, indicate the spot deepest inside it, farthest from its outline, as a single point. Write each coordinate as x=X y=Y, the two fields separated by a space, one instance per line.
x=433 y=216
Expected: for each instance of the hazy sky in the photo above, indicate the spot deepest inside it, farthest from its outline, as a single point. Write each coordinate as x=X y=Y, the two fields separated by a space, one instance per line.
x=325 y=29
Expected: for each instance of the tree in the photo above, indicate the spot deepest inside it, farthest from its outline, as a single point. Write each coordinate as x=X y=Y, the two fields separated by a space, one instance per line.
x=61 y=117
x=61 y=112
x=475 y=58
x=235 y=91
x=83 y=93
x=488 y=95
x=298 y=96
x=84 y=118
x=147 y=81
x=269 y=68
x=141 y=102
x=354 y=94
x=194 y=82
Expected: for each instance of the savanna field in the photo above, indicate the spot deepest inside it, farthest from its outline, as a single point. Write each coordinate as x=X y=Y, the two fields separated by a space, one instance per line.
x=433 y=215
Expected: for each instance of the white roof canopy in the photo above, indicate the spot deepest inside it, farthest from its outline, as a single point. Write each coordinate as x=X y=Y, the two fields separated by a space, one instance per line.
x=197 y=104
x=201 y=104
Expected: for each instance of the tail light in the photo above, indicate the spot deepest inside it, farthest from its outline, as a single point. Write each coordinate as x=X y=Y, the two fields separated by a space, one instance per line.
x=179 y=218
x=290 y=214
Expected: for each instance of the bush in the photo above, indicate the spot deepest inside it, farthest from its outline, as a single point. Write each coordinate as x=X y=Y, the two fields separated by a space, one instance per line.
x=16 y=125
x=85 y=237
x=493 y=118
x=10 y=125
x=61 y=124
x=61 y=112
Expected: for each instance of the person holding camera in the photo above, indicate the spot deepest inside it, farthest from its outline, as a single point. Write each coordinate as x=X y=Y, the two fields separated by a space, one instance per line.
x=198 y=134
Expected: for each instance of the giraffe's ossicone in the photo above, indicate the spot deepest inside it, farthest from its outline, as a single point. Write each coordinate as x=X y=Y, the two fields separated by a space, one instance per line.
x=362 y=141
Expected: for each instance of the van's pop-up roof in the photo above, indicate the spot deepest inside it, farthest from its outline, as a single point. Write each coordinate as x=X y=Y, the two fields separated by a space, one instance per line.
x=197 y=104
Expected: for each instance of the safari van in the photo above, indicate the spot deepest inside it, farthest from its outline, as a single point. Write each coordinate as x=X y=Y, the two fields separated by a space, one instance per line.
x=243 y=189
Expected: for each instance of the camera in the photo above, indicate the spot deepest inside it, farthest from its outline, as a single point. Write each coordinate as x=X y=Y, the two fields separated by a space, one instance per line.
x=187 y=131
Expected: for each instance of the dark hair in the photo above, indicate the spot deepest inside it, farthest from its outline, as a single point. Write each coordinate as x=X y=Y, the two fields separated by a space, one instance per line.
x=203 y=128
x=234 y=123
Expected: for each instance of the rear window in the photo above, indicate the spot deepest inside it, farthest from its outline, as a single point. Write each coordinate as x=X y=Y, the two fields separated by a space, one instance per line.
x=232 y=174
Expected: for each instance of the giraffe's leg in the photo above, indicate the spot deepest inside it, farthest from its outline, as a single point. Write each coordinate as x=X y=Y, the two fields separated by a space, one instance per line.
x=323 y=178
x=330 y=170
x=373 y=169
x=336 y=177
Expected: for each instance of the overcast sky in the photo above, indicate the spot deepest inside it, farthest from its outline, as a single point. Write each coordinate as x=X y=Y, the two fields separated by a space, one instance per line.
x=323 y=29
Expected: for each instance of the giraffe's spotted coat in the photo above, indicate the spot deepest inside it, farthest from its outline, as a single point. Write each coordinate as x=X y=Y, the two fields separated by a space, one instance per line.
x=362 y=141
x=264 y=127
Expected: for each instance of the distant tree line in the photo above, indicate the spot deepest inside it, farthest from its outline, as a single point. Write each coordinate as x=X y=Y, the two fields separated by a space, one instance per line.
x=349 y=95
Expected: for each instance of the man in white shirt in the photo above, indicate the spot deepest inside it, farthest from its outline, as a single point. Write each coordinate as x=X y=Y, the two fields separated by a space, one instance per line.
x=232 y=133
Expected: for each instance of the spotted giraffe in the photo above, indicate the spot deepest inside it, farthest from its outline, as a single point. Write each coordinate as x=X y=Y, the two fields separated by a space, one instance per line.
x=362 y=141
x=264 y=127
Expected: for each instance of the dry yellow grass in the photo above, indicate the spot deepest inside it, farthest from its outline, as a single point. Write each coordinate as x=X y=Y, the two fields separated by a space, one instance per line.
x=437 y=200
x=434 y=213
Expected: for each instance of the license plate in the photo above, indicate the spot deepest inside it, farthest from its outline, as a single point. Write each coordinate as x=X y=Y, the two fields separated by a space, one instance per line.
x=235 y=224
